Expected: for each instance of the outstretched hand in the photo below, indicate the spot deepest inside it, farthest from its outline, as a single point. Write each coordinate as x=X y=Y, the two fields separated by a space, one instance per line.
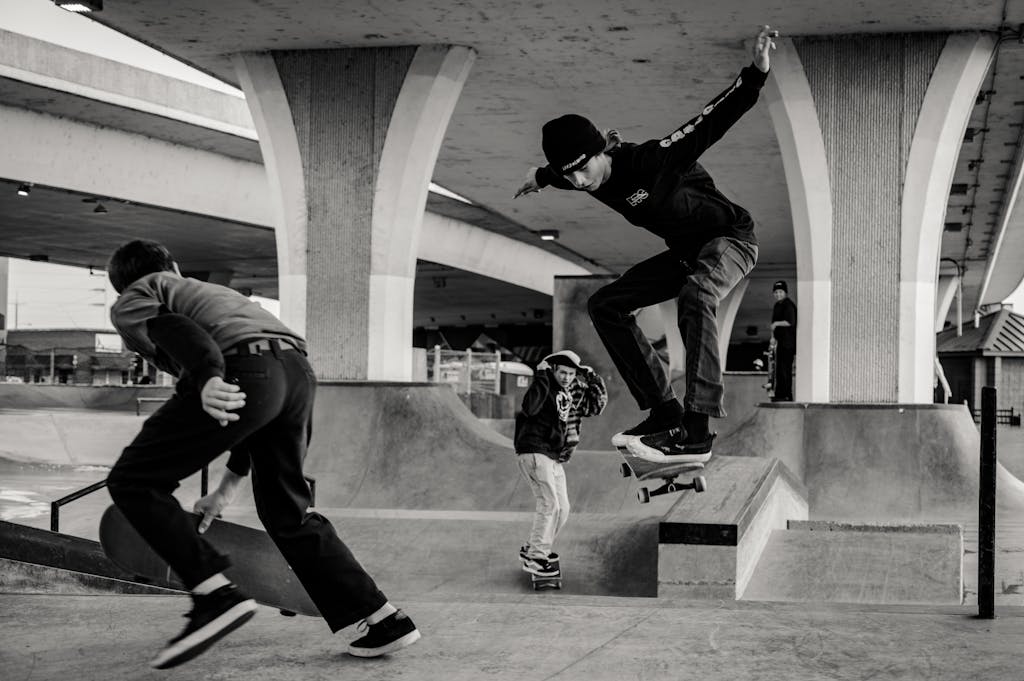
x=530 y=185
x=764 y=43
x=219 y=398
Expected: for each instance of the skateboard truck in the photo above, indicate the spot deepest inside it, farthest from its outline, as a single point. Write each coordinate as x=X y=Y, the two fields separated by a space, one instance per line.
x=697 y=484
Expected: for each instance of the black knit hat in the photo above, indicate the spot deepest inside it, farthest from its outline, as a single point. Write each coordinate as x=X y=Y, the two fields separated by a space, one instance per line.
x=570 y=141
x=780 y=286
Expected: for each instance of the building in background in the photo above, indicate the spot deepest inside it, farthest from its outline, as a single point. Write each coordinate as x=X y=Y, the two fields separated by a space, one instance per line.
x=72 y=357
x=991 y=353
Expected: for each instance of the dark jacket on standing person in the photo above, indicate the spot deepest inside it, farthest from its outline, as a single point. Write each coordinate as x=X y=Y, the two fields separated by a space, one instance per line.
x=785 y=311
x=658 y=185
x=549 y=422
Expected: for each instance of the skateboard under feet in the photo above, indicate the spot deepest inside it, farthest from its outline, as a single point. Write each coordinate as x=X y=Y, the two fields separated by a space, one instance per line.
x=643 y=469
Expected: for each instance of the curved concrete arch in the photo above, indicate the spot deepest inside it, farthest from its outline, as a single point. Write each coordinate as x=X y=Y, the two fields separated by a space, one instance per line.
x=945 y=292
x=798 y=130
x=284 y=185
x=945 y=113
x=454 y=243
x=429 y=92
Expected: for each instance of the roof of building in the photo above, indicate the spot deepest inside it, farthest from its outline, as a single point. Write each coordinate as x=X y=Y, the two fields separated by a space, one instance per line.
x=998 y=333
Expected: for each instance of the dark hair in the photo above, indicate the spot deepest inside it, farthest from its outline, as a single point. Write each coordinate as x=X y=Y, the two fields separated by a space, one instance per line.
x=136 y=259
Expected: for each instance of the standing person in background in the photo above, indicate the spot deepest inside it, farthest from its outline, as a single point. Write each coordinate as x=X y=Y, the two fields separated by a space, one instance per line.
x=564 y=390
x=784 y=340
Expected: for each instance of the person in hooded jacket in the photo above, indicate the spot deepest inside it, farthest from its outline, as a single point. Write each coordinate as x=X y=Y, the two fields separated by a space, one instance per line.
x=563 y=391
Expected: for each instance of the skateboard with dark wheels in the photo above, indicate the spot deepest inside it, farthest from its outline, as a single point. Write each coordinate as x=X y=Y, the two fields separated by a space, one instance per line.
x=257 y=567
x=643 y=469
x=541 y=583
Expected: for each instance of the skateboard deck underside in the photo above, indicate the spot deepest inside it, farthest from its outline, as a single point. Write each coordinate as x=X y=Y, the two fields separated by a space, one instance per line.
x=645 y=470
x=257 y=566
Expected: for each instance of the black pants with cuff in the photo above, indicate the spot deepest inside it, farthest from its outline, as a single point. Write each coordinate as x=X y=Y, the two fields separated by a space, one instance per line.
x=274 y=427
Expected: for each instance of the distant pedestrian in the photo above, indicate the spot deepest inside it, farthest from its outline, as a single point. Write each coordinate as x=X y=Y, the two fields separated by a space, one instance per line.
x=783 y=341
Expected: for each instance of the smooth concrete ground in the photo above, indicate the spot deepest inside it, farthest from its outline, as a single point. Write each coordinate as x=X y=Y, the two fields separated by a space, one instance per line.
x=534 y=637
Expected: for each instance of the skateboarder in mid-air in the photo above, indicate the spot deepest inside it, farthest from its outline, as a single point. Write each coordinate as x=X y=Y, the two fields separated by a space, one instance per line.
x=563 y=391
x=244 y=385
x=658 y=185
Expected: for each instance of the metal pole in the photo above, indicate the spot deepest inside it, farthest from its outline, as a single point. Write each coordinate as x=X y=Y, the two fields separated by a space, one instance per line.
x=987 y=506
x=437 y=364
x=497 y=372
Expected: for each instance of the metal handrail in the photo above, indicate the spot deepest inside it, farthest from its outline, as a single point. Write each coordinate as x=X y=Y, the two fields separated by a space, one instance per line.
x=78 y=494
x=204 y=486
x=204 y=482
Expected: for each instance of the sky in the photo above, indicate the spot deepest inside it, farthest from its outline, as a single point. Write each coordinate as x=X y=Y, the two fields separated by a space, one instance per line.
x=41 y=295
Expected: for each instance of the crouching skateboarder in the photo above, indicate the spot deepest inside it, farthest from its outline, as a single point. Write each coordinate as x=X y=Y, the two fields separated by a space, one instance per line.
x=659 y=186
x=245 y=386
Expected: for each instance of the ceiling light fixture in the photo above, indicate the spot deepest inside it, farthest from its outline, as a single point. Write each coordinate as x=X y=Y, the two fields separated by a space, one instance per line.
x=24 y=189
x=548 y=234
x=80 y=7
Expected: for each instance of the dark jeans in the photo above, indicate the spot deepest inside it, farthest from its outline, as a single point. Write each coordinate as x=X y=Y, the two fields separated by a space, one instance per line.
x=180 y=438
x=721 y=264
x=783 y=383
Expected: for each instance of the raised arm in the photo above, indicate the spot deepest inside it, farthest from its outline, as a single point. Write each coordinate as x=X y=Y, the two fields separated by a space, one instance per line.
x=687 y=142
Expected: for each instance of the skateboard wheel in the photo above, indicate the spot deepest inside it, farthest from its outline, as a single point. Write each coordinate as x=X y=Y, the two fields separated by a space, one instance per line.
x=643 y=495
x=699 y=484
x=626 y=470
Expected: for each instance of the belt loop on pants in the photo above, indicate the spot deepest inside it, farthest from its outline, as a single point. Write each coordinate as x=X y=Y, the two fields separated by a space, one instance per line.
x=258 y=347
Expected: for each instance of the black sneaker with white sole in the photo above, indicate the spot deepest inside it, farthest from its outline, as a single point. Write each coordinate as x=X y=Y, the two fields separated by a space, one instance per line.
x=649 y=426
x=212 y=617
x=542 y=567
x=394 y=632
x=671 y=446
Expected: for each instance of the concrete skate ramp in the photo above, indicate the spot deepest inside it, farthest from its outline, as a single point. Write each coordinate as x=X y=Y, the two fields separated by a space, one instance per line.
x=108 y=398
x=462 y=552
x=877 y=462
x=416 y=446
x=65 y=436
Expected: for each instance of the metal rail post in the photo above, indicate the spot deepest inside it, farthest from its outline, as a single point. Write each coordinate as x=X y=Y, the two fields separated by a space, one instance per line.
x=987 y=507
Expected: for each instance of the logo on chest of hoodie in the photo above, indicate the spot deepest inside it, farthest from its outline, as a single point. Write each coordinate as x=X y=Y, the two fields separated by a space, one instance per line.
x=637 y=198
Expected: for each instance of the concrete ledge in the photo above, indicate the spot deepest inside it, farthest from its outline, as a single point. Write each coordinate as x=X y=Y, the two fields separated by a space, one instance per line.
x=861 y=563
x=709 y=543
x=28 y=578
x=912 y=528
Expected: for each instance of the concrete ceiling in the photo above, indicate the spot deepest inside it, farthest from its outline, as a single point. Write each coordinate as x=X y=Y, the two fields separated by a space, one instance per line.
x=641 y=67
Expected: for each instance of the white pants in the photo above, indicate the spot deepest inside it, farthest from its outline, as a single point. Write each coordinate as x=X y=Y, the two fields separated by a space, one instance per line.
x=547 y=480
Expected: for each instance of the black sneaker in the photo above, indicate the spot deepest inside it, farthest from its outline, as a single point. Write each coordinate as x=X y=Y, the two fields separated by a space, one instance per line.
x=394 y=632
x=671 y=446
x=541 y=567
x=212 y=617
x=648 y=426
x=523 y=550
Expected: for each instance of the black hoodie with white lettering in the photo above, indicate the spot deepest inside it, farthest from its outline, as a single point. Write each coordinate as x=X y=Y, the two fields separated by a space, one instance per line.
x=658 y=185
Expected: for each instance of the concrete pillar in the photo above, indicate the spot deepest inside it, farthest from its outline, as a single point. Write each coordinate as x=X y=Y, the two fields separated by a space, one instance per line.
x=4 y=287
x=349 y=138
x=869 y=127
